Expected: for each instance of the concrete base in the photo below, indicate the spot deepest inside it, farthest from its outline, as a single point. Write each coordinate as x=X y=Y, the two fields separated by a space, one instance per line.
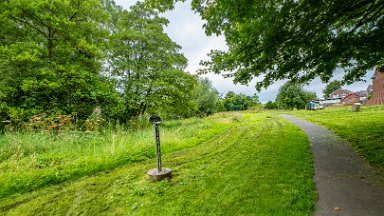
x=156 y=175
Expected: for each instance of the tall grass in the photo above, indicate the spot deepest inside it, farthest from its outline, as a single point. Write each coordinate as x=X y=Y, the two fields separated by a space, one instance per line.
x=30 y=160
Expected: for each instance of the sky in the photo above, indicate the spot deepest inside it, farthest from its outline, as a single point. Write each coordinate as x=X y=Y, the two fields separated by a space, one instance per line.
x=186 y=29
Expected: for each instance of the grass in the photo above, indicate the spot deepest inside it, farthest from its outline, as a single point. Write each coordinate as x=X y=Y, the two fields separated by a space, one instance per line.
x=30 y=160
x=364 y=129
x=258 y=165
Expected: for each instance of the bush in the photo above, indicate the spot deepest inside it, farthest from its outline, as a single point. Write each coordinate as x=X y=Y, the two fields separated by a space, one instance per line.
x=270 y=105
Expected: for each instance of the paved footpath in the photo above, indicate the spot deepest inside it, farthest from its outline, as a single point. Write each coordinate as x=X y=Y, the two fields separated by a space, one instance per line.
x=345 y=183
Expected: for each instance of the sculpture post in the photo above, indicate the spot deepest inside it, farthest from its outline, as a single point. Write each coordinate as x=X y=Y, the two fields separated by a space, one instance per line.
x=159 y=173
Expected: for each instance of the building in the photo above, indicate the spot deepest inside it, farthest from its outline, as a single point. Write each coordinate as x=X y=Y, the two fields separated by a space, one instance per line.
x=377 y=96
x=362 y=93
x=351 y=98
x=339 y=94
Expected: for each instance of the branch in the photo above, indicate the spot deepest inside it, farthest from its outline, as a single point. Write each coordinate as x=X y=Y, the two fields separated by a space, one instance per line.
x=365 y=19
x=77 y=9
x=30 y=25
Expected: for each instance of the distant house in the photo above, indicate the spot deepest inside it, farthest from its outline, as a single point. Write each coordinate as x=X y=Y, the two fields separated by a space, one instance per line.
x=351 y=98
x=377 y=89
x=362 y=93
x=339 y=94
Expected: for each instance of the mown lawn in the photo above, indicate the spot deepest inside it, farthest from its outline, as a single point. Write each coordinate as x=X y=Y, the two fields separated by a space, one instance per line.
x=364 y=129
x=35 y=159
x=260 y=165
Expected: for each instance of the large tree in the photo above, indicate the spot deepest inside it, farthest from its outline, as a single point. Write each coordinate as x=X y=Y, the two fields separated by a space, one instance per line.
x=236 y=102
x=50 y=58
x=298 y=40
x=71 y=56
x=205 y=97
x=148 y=65
x=292 y=95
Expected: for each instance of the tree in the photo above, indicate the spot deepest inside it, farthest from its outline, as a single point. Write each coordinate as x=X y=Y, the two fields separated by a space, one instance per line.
x=50 y=60
x=298 y=40
x=255 y=100
x=331 y=87
x=205 y=97
x=292 y=95
x=270 y=105
x=147 y=65
x=236 y=102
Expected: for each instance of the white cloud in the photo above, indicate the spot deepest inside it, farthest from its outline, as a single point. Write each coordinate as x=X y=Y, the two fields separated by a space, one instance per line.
x=186 y=29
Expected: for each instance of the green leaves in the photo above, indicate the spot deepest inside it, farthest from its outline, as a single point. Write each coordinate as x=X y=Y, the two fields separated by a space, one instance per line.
x=292 y=95
x=298 y=40
x=49 y=51
x=331 y=87
x=205 y=97
x=147 y=65
x=236 y=102
x=71 y=56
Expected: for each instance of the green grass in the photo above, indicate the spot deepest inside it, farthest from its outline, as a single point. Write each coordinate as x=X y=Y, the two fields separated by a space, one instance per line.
x=261 y=165
x=364 y=129
x=30 y=160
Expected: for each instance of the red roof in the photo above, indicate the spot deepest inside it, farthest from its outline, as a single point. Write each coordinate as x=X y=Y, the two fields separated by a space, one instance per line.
x=352 y=94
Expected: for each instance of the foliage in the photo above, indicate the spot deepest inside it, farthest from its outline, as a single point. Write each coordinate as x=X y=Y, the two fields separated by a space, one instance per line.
x=369 y=95
x=220 y=105
x=147 y=65
x=73 y=56
x=270 y=173
x=236 y=102
x=331 y=87
x=205 y=97
x=298 y=40
x=292 y=95
x=270 y=105
x=49 y=58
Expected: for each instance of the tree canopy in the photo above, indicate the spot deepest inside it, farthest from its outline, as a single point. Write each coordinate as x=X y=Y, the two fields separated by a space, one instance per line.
x=82 y=58
x=205 y=97
x=50 y=60
x=296 y=40
x=148 y=66
x=236 y=102
x=292 y=95
x=331 y=87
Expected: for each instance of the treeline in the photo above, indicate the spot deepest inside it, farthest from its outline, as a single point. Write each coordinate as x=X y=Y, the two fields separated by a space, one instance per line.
x=94 y=59
x=291 y=96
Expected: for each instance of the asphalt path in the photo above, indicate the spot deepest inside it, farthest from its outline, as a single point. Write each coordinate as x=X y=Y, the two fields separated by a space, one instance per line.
x=346 y=184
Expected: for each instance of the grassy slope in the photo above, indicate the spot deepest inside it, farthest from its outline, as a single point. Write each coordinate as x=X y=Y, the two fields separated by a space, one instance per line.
x=364 y=129
x=31 y=160
x=262 y=166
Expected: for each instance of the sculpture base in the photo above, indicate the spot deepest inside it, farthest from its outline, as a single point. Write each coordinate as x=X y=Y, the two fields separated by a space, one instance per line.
x=156 y=175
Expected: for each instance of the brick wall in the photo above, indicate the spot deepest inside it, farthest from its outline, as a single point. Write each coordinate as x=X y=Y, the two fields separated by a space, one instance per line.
x=377 y=89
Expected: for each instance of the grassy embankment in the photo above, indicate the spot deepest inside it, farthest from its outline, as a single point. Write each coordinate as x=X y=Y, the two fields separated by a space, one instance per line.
x=258 y=164
x=364 y=129
x=30 y=160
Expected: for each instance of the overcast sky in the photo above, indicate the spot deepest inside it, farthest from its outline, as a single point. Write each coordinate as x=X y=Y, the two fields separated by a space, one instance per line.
x=185 y=28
